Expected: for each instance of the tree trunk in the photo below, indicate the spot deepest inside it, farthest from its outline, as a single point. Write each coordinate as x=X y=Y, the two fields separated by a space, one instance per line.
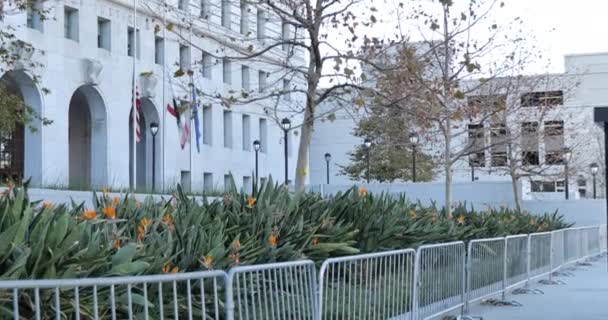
x=448 y=169
x=516 y=194
x=305 y=137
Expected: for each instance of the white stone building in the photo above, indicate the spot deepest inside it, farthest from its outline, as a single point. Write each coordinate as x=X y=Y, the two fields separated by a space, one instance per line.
x=572 y=120
x=88 y=68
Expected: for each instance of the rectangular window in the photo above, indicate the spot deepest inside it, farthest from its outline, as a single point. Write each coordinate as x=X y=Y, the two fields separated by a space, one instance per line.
x=183 y=4
x=226 y=13
x=186 y=181
x=207 y=125
x=244 y=17
x=184 y=57
x=34 y=15
x=284 y=35
x=529 y=144
x=227 y=71
x=263 y=127
x=246 y=132
x=536 y=186
x=487 y=103
x=245 y=83
x=208 y=182
x=159 y=50
x=204 y=10
x=131 y=42
x=542 y=99
x=247 y=186
x=477 y=141
x=207 y=65
x=104 y=33
x=286 y=90
x=228 y=129
x=554 y=158
x=262 y=80
x=554 y=128
x=549 y=186
x=227 y=182
x=261 y=25
x=70 y=23
x=499 y=149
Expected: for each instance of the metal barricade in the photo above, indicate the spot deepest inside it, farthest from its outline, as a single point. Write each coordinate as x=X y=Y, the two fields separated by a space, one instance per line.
x=516 y=261
x=603 y=239
x=368 y=286
x=572 y=241
x=272 y=291
x=540 y=254
x=557 y=250
x=485 y=269
x=591 y=241
x=182 y=295
x=440 y=279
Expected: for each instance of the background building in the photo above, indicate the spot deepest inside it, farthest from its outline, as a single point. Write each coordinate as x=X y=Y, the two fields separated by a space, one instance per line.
x=569 y=124
x=85 y=88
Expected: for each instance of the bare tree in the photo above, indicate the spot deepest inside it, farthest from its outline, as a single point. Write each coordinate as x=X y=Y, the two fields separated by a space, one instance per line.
x=307 y=65
x=458 y=44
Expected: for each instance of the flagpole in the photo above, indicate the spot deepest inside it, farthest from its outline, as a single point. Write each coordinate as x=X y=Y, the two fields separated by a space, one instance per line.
x=164 y=132
x=134 y=102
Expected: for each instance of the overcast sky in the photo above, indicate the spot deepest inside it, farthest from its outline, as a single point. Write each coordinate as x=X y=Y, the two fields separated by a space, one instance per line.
x=580 y=26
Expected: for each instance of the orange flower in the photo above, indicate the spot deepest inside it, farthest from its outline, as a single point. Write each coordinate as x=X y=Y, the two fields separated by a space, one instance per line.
x=167 y=219
x=117 y=244
x=207 y=261
x=460 y=219
x=109 y=212
x=142 y=228
x=251 y=202
x=89 y=215
x=315 y=241
x=169 y=269
x=363 y=192
x=273 y=240
x=412 y=214
x=47 y=205
x=115 y=201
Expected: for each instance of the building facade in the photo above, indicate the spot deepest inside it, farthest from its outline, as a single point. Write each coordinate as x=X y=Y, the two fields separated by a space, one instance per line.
x=85 y=87
x=540 y=143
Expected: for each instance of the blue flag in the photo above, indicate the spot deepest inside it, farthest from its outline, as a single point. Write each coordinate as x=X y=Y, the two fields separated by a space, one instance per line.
x=197 y=126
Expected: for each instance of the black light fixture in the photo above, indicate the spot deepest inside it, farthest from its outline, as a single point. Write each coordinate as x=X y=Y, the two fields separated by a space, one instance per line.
x=286 y=125
x=153 y=131
x=414 y=141
x=473 y=163
x=594 y=170
x=368 y=145
x=256 y=147
x=566 y=155
x=327 y=160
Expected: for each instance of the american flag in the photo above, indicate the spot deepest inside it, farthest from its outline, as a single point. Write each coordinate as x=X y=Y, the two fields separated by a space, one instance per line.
x=138 y=131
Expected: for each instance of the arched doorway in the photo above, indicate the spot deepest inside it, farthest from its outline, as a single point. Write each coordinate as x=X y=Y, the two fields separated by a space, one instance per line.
x=144 y=149
x=21 y=150
x=87 y=139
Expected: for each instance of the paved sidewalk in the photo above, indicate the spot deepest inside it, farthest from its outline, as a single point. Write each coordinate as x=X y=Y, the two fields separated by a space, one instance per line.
x=584 y=297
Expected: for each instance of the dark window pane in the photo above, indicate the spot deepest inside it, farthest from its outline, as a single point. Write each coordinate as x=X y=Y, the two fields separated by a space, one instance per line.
x=530 y=158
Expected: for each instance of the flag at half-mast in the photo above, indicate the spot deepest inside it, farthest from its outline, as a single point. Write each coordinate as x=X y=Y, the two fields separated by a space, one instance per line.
x=137 y=112
x=197 y=126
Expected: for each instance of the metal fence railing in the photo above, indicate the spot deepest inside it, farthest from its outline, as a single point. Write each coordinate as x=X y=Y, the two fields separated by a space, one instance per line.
x=272 y=291
x=169 y=296
x=369 y=286
x=440 y=279
x=402 y=284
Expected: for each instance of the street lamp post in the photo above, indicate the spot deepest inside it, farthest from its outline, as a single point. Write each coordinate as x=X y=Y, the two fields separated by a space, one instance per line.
x=414 y=142
x=368 y=145
x=566 y=157
x=594 y=170
x=286 y=125
x=472 y=163
x=327 y=160
x=256 y=147
x=153 y=131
